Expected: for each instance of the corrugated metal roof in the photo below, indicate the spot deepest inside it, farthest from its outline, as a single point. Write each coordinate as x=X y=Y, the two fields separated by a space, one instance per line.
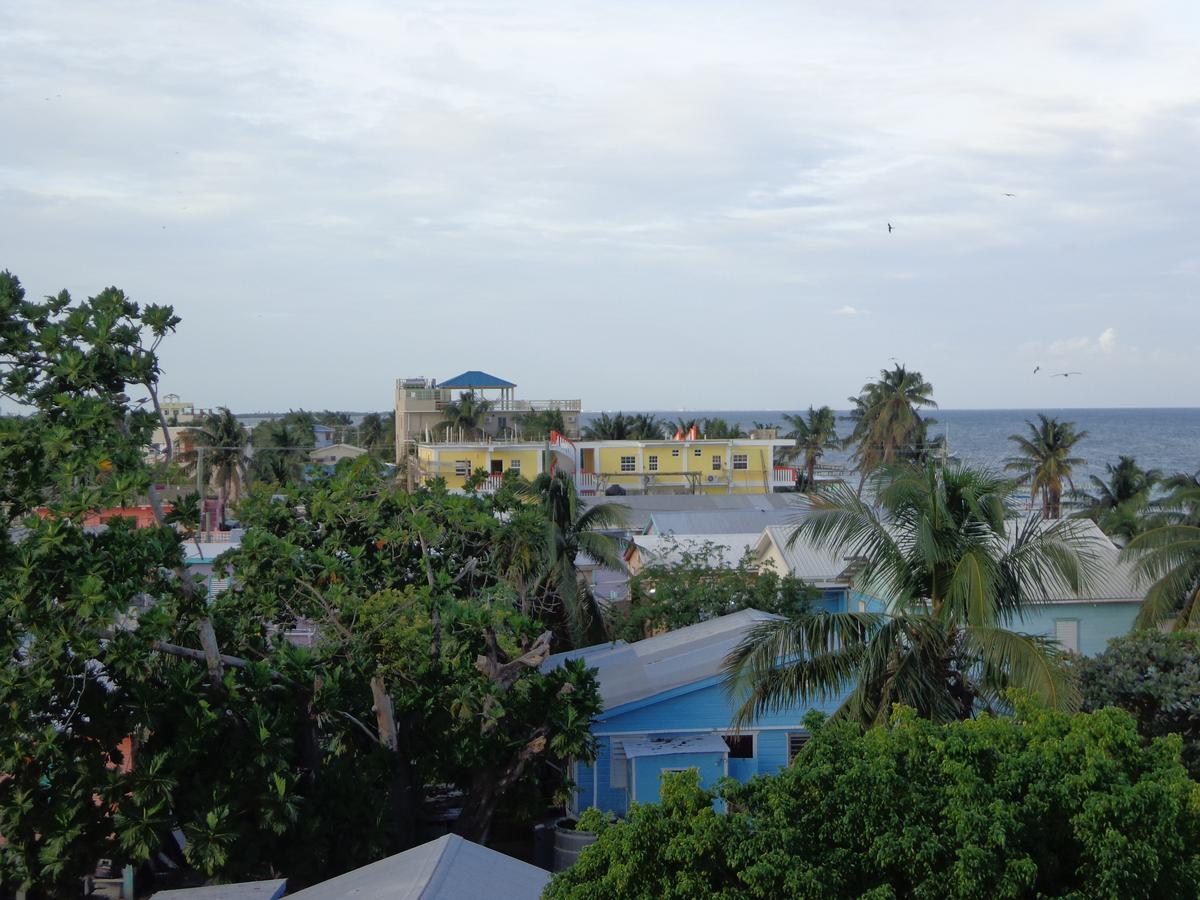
x=695 y=743
x=448 y=868
x=732 y=521
x=246 y=890
x=475 y=379
x=806 y=561
x=629 y=672
x=660 y=549
x=641 y=507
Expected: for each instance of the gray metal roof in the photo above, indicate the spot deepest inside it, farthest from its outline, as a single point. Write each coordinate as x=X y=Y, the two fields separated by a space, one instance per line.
x=724 y=521
x=629 y=672
x=666 y=549
x=806 y=561
x=642 y=506
x=449 y=868
x=246 y=890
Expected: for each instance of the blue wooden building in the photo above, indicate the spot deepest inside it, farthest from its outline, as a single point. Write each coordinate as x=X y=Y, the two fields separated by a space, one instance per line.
x=666 y=709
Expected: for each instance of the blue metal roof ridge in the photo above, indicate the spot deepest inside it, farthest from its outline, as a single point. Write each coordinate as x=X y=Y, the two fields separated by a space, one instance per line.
x=473 y=378
x=669 y=694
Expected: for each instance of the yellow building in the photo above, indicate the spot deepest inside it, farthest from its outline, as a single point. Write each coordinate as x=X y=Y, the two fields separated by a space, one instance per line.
x=456 y=461
x=733 y=466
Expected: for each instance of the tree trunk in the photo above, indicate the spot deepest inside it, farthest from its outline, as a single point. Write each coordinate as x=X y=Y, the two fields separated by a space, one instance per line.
x=488 y=786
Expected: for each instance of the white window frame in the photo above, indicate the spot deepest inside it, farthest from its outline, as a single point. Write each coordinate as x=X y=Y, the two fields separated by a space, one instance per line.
x=628 y=463
x=652 y=464
x=675 y=452
x=1066 y=634
x=514 y=465
x=741 y=461
x=716 y=463
x=462 y=468
x=753 y=735
x=697 y=451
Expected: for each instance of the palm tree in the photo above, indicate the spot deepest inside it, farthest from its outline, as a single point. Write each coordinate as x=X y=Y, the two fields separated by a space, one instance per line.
x=466 y=414
x=888 y=426
x=813 y=434
x=282 y=451
x=719 y=429
x=1118 y=503
x=572 y=528
x=1167 y=557
x=607 y=428
x=538 y=425
x=945 y=545
x=1045 y=461
x=218 y=448
x=646 y=427
x=370 y=431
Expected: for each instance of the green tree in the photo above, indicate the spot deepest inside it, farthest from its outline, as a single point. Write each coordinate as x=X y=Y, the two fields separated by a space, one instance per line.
x=888 y=426
x=466 y=414
x=1040 y=804
x=719 y=429
x=945 y=548
x=646 y=427
x=340 y=422
x=1045 y=462
x=812 y=434
x=608 y=428
x=1166 y=557
x=1119 y=503
x=1156 y=678
x=281 y=449
x=695 y=582
x=538 y=425
x=222 y=459
x=371 y=434
x=571 y=529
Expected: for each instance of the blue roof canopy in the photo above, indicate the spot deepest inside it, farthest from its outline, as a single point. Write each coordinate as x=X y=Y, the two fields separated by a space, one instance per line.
x=475 y=379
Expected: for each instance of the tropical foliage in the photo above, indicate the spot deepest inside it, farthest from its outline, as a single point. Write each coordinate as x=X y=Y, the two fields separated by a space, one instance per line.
x=134 y=709
x=538 y=425
x=812 y=434
x=1044 y=461
x=281 y=449
x=1041 y=804
x=371 y=431
x=217 y=454
x=693 y=581
x=718 y=429
x=622 y=427
x=1119 y=502
x=466 y=415
x=945 y=548
x=1156 y=678
x=1166 y=556
x=888 y=425
x=571 y=529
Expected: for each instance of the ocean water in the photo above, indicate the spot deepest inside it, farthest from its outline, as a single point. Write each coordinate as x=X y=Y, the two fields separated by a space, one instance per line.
x=1167 y=439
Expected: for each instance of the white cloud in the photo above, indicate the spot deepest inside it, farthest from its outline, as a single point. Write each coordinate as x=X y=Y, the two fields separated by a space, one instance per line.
x=1107 y=341
x=849 y=311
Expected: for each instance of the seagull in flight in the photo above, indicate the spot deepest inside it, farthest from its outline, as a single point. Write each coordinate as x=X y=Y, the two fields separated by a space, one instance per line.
x=1010 y=195
x=1065 y=374
x=1036 y=369
x=889 y=227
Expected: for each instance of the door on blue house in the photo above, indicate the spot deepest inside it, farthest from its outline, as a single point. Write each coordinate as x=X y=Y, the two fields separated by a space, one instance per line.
x=743 y=764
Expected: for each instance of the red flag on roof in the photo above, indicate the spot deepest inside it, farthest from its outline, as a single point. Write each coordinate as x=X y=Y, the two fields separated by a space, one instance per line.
x=693 y=433
x=678 y=435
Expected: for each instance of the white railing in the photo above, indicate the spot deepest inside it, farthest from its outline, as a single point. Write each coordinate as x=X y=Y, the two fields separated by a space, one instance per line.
x=503 y=405
x=587 y=482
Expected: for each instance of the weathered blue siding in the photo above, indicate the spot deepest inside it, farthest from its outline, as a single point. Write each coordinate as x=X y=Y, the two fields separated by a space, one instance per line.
x=645 y=772
x=1098 y=622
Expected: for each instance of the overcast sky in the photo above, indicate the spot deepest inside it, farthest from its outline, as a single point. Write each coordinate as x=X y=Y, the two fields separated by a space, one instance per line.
x=643 y=205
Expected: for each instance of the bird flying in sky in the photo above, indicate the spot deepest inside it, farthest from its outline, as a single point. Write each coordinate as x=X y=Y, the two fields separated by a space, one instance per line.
x=889 y=227
x=1036 y=369
x=1065 y=374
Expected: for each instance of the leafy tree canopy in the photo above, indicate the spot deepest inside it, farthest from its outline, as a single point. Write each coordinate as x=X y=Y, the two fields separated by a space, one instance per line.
x=1042 y=804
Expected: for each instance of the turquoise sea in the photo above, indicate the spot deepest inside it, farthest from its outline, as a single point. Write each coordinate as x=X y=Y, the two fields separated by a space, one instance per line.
x=1167 y=439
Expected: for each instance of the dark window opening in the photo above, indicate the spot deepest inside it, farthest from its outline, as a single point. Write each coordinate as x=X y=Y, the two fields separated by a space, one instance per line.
x=741 y=746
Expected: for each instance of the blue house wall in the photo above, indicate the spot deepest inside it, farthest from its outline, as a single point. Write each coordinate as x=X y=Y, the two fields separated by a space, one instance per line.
x=645 y=772
x=1098 y=622
x=701 y=707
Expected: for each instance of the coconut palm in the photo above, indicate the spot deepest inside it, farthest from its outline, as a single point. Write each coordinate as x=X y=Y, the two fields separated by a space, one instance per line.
x=646 y=427
x=1166 y=556
x=719 y=429
x=370 y=431
x=466 y=414
x=958 y=567
x=538 y=425
x=888 y=426
x=281 y=451
x=1045 y=462
x=813 y=434
x=1118 y=503
x=604 y=427
x=572 y=529
x=218 y=447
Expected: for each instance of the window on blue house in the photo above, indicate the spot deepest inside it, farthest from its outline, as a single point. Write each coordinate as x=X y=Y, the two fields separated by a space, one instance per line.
x=796 y=740
x=741 y=746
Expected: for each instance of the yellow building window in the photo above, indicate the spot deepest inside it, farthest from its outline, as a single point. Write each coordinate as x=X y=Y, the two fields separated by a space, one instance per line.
x=741 y=461
x=675 y=452
x=716 y=463
x=462 y=467
x=654 y=464
x=628 y=464
x=514 y=465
